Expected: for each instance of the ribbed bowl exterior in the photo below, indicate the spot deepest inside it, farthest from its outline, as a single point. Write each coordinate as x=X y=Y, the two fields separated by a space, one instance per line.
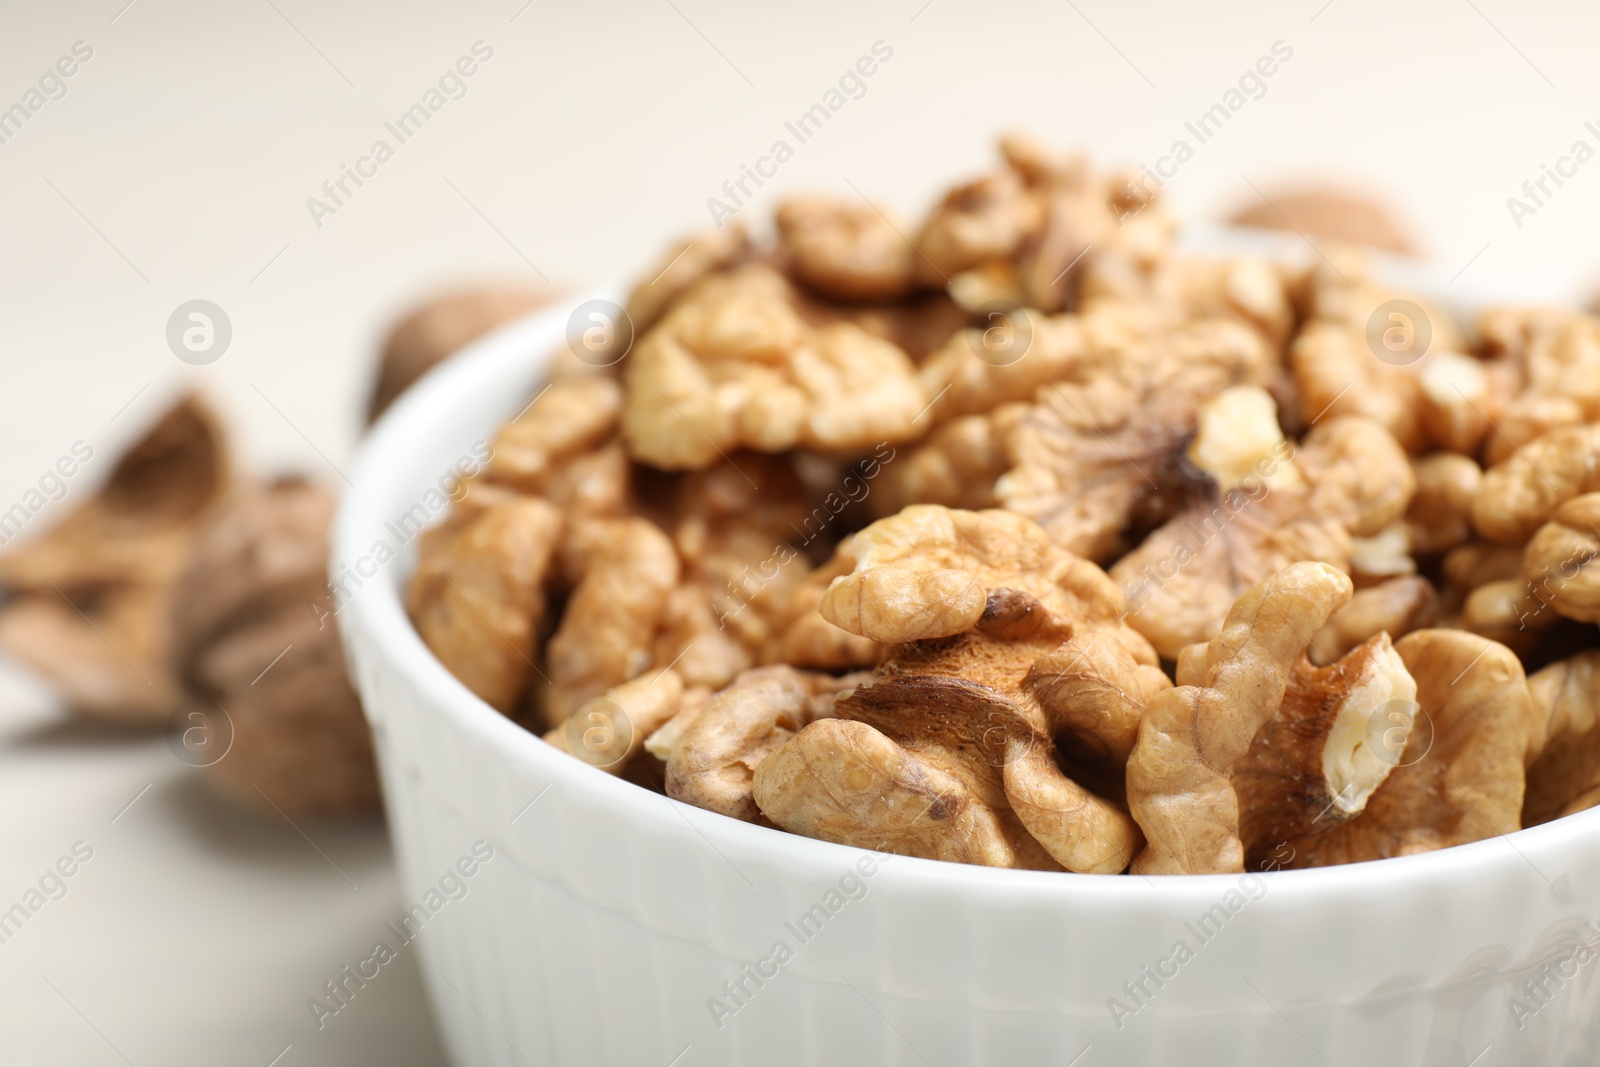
x=616 y=927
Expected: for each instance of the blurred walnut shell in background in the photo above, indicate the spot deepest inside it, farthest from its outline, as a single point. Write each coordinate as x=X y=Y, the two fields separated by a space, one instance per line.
x=256 y=636
x=1339 y=214
x=89 y=598
x=439 y=328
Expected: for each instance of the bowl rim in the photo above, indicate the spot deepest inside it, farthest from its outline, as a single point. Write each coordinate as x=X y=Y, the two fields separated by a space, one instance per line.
x=520 y=350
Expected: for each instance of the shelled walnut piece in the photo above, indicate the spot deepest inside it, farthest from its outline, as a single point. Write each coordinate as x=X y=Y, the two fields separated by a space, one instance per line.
x=90 y=598
x=735 y=364
x=1049 y=387
x=1261 y=506
x=964 y=711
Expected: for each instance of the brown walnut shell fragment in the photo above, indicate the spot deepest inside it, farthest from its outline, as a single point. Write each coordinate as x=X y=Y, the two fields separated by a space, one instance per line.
x=736 y=364
x=1179 y=786
x=258 y=638
x=477 y=596
x=714 y=762
x=439 y=328
x=1558 y=562
x=623 y=572
x=1564 y=761
x=1330 y=211
x=1395 y=607
x=849 y=250
x=1460 y=774
x=1520 y=494
x=90 y=605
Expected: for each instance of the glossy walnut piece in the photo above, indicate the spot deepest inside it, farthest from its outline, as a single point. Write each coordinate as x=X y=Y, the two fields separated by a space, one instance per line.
x=91 y=596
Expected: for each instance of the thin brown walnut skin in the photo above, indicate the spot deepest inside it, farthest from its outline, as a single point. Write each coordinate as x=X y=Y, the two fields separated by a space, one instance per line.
x=1520 y=494
x=439 y=328
x=1564 y=760
x=845 y=782
x=714 y=763
x=847 y=250
x=944 y=719
x=962 y=704
x=1460 y=781
x=1395 y=607
x=1191 y=736
x=625 y=570
x=1558 y=562
x=477 y=596
x=1349 y=215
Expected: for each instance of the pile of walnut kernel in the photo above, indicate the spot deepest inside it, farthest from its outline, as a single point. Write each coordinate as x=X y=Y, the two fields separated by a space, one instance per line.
x=1018 y=537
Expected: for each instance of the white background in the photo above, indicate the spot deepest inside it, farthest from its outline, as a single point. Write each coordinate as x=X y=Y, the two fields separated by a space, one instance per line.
x=178 y=167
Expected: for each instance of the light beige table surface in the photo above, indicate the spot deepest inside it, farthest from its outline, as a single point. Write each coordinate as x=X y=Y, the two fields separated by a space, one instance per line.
x=178 y=165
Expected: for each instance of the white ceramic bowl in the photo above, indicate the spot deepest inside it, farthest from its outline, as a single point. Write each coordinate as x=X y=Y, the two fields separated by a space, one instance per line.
x=610 y=918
